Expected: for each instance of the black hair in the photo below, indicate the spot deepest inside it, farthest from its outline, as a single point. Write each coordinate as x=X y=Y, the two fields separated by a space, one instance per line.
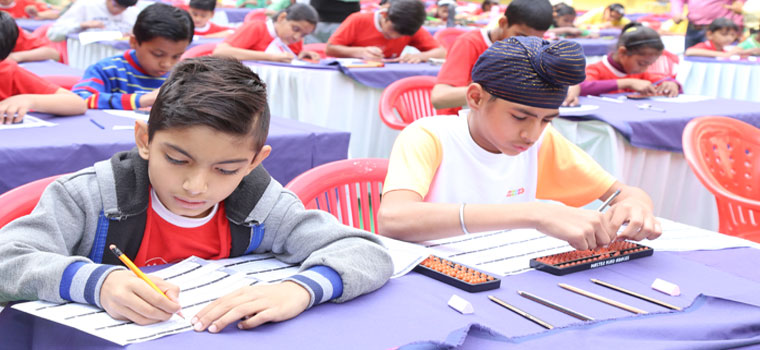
x=619 y=8
x=205 y=5
x=536 y=14
x=486 y=3
x=126 y=3
x=300 y=12
x=164 y=21
x=635 y=37
x=406 y=16
x=217 y=92
x=563 y=9
x=8 y=34
x=722 y=23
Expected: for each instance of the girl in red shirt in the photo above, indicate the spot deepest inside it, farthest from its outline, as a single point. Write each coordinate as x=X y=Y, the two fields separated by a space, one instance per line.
x=625 y=70
x=277 y=39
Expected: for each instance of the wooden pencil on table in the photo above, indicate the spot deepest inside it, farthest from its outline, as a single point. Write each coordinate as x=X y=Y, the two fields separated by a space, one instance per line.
x=634 y=294
x=607 y=301
x=521 y=312
x=555 y=306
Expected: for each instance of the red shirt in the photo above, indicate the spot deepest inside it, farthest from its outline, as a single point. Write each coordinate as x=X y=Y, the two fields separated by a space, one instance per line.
x=17 y=81
x=361 y=30
x=17 y=8
x=461 y=57
x=26 y=41
x=211 y=29
x=603 y=70
x=165 y=242
x=254 y=35
x=707 y=45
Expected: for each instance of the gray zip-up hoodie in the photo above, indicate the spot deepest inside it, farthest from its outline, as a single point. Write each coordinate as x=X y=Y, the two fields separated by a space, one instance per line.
x=56 y=253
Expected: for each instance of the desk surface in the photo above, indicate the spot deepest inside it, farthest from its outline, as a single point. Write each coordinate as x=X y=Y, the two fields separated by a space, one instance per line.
x=50 y=67
x=413 y=308
x=75 y=143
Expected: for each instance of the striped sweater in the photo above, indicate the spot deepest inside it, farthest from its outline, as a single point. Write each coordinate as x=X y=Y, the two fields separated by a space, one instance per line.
x=116 y=83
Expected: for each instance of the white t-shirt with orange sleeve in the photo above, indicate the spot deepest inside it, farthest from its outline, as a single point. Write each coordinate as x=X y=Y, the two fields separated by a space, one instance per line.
x=437 y=158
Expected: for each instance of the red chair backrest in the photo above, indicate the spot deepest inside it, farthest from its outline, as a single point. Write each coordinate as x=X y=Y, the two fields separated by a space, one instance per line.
x=410 y=97
x=447 y=36
x=724 y=153
x=316 y=47
x=199 y=50
x=255 y=15
x=64 y=81
x=21 y=200
x=666 y=64
x=348 y=189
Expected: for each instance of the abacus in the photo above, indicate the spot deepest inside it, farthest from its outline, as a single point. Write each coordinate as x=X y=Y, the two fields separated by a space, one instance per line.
x=457 y=275
x=579 y=260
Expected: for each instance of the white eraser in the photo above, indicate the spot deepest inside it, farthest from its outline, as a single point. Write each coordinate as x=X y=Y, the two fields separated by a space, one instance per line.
x=666 y=287
x=458 y=303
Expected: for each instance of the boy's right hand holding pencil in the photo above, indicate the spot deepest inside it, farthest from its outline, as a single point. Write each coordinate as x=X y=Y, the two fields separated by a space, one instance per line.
x=125 y=296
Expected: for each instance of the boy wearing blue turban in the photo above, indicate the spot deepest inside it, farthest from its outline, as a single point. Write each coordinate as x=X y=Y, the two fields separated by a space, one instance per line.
x=504 y=155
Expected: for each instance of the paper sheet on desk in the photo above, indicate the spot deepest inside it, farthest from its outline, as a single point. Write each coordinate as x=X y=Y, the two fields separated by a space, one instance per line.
x=127 y=114
x=28 y=122
x=200 y=282
x=89 y=37
x=681 y=237
x=581 y=110
x=405 y=255
x=682 y=98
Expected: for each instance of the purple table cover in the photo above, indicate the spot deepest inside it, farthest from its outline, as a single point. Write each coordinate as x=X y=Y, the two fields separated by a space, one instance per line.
x=75 y=143
x=32 y=24
x=124 y=44
x=378 y=78
x=752 y=60
x=50 y=67
x=652 y=129
x=596 y=47
x=414 y=308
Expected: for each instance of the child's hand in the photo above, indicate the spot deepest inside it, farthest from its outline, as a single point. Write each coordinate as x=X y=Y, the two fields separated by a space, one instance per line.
x=125 y=296
x=311 y=55
x=14 y=108
x=640 y=219
x=641 y=86
x=581 y=228
x=667 y=88
x=148 y=99
x=256 y=305
x=372 y=53
x=92 y=24
x=571 y=100
x=411 y=58
x=31 y=11
x=285 y=57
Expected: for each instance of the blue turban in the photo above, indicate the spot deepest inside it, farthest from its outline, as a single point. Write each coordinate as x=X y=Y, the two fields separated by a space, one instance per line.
x=530 y=71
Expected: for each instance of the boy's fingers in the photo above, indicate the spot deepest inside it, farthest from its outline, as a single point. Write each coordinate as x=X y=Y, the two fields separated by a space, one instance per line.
x=258 y=319
x=236 y=313
x=153 y=304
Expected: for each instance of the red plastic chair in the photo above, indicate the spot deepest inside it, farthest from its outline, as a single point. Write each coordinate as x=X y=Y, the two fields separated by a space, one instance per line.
x=64 y=81
x=255 y=15
x=21 y=200
x=724 y=153
x=316 y=47
x=447 y=36
x=410 y=97
x=667 y=64
x=199 y=50
x=348 y=189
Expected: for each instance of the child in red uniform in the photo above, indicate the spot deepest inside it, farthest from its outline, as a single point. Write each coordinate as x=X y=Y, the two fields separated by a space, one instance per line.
x=625 y=70
x=385 y=33
x=522 y=18
x=201 y=11
x=277 y=39
x=27 y=9
x=22 y=91
x=32 y=48
x=721 y=32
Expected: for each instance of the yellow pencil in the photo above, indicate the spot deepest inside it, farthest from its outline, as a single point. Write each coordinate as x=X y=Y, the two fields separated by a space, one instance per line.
x=132 y=267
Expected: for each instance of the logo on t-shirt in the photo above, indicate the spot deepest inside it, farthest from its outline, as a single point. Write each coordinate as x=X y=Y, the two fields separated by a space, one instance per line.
x=516 y=192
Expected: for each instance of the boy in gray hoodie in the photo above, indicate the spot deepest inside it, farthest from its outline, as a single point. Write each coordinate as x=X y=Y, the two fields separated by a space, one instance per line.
x=193 y=186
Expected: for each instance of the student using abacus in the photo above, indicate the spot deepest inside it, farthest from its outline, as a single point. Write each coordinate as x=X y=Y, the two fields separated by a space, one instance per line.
x=384 y=34
x=279 y=38
x=452 y=175
x=22 y=91
x=193 y=186
x=625 y=70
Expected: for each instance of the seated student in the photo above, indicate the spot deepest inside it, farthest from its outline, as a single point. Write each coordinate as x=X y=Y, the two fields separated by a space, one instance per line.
x=201 y=11
x=279 y=38
x=384 y=34
x=32 y=48
x=440 y=15
x=131 y=80
x=27 y=9
x=193 y=186
x=86 y=15
x=563 y=27
x=486 y=6
x=720 y=33
x=451 y=175
x=522 y=18
x=278 y=5
x=611 y=16
x=21 y=91
x=752 y=44
x=625 y=70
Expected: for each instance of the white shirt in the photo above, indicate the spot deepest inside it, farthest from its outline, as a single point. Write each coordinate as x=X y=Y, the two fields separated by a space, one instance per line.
x=94 y=10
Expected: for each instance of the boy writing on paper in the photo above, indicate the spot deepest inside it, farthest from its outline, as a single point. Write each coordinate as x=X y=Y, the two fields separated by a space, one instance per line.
x=194 y=186
x=384 y=34
x=131 y=80
x=279 y=38
x=22 y=91
x=202 y=11
x=86 y=15
x=522 y=17
x=451 y=175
